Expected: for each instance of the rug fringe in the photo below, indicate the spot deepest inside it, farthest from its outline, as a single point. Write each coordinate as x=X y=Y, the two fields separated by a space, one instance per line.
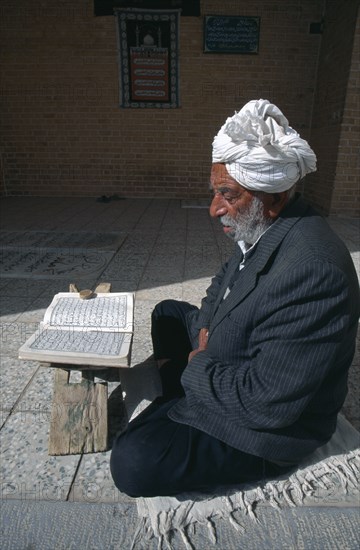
x=211 y=531
x=348 y=476
x=186 y=540
x=340 y=472
x=138 y=532
x=237 y=526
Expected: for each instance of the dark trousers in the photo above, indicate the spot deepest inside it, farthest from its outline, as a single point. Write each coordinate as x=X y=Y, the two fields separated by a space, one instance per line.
x=157 y=456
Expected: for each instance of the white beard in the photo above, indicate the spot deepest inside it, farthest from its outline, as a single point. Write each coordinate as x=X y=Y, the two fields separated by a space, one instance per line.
x=248 y=224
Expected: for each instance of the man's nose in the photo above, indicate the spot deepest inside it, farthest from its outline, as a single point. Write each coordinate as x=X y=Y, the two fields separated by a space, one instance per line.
x=217 y=206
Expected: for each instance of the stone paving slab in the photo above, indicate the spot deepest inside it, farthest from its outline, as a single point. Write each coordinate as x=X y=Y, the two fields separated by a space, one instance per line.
x=11 y=385
x=27 y=471
x=94 y=482
x=60 y=263
x=169 y=252
x=70 y=526
x=60 y=239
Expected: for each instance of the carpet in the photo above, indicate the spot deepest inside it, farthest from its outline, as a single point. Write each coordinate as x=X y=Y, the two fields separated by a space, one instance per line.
x=148 y=57
x=328 y=477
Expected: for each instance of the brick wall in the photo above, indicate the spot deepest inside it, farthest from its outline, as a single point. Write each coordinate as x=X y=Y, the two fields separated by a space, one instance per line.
x=335 y=123
x=346 y=189
x=63 y=132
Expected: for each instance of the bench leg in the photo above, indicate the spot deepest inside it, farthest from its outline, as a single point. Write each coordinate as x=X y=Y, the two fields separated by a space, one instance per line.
x=79 y=422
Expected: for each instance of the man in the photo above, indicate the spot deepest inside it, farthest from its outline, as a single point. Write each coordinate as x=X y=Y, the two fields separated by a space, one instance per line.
x=254 y=379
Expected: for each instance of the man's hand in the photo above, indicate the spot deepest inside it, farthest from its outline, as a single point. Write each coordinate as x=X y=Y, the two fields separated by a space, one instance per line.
x=203 y=339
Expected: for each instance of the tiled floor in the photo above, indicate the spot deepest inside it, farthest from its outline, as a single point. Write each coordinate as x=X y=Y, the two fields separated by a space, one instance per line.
x=154 y=248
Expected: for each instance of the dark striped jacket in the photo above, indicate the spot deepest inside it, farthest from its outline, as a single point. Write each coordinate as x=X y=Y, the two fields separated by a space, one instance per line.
x=274 y=375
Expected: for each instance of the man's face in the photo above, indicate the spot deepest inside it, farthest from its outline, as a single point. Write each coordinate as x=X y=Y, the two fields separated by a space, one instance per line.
x=243 y=214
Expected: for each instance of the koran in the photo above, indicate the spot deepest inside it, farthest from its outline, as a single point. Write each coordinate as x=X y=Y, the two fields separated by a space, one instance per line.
x=97 y=331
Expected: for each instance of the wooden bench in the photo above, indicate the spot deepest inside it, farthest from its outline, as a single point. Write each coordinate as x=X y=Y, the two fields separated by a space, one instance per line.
x=79 y=416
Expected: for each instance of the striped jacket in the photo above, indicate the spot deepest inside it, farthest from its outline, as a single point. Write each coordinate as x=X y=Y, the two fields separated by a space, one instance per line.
x=274 y=375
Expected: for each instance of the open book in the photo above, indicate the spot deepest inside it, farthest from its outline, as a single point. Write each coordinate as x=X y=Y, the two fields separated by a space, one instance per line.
x=97 y=331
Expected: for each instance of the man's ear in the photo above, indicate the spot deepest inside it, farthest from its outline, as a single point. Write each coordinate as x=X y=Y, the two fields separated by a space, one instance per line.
x=276 y=203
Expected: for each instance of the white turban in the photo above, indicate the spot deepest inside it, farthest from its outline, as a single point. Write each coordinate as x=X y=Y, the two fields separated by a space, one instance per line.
x=261 y=151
